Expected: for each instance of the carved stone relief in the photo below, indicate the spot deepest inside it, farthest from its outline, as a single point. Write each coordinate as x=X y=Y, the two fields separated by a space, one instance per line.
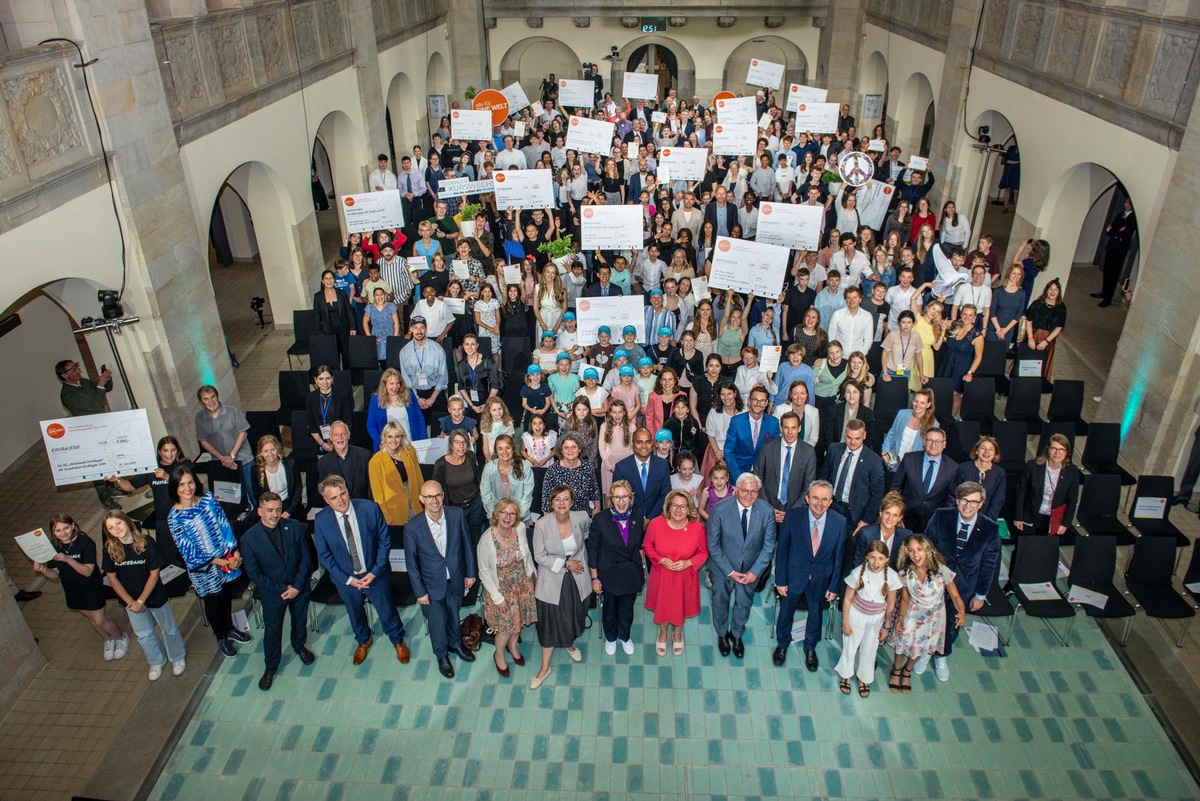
x=1112 y=62
x=383 y=15
x=1068 y=44
x=1175 y=55
x=8 y=161
x=232 y=58
x=994 y=25
x=334 y=27
x=1029 y=29
x=275 y=50
x=42 y=115
x=304 y=20
x=185 y=70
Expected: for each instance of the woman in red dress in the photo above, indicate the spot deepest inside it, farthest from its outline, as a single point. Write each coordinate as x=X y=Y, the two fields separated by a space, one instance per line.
x=677 y=547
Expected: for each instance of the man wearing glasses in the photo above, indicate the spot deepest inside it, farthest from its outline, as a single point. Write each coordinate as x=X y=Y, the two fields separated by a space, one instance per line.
x=925 y=479
x=82 y=396
x=970 y=546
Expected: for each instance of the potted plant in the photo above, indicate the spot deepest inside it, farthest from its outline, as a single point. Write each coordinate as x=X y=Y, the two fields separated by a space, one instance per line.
x=466 y=218
x=561 y=251
x=470 y=93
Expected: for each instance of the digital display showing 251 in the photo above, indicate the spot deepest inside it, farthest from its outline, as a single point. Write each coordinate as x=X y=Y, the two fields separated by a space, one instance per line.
x=654 y=24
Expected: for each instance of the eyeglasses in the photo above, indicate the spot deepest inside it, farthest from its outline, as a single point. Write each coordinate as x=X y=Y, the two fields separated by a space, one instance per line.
x=682 y=506
x=970 y=502
x=431 y=497
x=622 y=497
x=820 y=499
x=748 y=491
x=508 y=513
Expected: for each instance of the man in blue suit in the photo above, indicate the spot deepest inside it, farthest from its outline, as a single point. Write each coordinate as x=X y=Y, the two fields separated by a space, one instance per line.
x=970 y=546
x=741 y=541
x=649 y=475
x=748 y=431
x=441 y=567
x=925 y=479
x=808 y=567
x=353 y=544
x=856 y=475
x=275 y=555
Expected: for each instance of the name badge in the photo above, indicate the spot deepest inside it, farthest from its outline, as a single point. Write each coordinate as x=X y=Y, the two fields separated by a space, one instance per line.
x=900 y=371
x=474 y=396
x=325 y=432
x=422 y=379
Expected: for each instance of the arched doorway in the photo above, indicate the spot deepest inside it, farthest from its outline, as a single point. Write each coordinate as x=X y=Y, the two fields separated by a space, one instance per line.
x=914 y=115
x=983 y=173
x=529 y=61
x=401 y=115
x=660 y=54
x=437 y=82
x=875 y=82
x=337 y=145
x=775 y=49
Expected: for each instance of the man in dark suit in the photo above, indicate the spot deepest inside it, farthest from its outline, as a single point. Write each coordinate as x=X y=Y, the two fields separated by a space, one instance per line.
x=741 y=542
x=649 y=475
x=721 y=213
x=275 y=555
x=748 y=432
x=1120 y=238
x=603 y=287
x=856 y=475
x=808 y=568
x=347 y=461
x=970 y=546
x=787 y=466
x=441 y=566
x=925 y=480
x=353 y=544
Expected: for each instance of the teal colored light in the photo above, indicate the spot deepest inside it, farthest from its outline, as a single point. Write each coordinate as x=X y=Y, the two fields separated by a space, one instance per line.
x=1137 y=396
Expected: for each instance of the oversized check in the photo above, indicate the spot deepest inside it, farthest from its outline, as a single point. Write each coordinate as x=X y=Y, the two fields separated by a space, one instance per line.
x=739 y=139
x=790 y=226
x=640 y=86
x=469 y=124
x=524 y=189
x=516 y=97
x=96 y=446
x=615 y=312
x=461 y=187
x=764 y=73
x=799 y=93
x=580 y=94
x=590 y=136
x=745 y=266
x=737 y=110
x=611 y=227
x=372 y=211
x=818 y=118
x=685 y=163
x=874 y=198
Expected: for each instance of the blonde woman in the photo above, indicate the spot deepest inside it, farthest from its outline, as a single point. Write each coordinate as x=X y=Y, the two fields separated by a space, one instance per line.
x=506 y=570
x=396 y=477
x=273 y=473
x=549 y=299
x=393 y=402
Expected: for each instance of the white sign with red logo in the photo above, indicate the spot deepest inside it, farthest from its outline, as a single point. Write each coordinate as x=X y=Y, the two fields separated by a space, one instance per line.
x=737 y=111
x=764 y=73
x=524 y=189
x=468 y=124
x=818 y=118
x=874 y=199
x=580 y=94
x=684 y=163
x=745 y=266
x=372 y=211
x=799 y=93
x=516 y=96
x=611 y=227
x=640 y=85
x=590 y=136
x=790 y=226
x=615 y=311
x=37 y=546
x=96 y=446
x=735 y=140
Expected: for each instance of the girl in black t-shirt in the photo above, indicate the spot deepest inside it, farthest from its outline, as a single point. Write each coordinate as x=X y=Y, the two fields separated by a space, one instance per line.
x=76 y=569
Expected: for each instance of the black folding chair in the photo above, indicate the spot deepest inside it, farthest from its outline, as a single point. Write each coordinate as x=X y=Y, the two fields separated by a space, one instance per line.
x=961 y=436
x=1024 y=403
x=1098 y=506
x=370 y=384
x=1035 y=562
x=344 y=385
x=1102 y=451
x=1066 y=405
x=304 y=447
x=394 y=346
x=997 y=605
x=994 y=362
x=322 y=349
x=1050 y=428
x=890 y=398
x=943 y=395
x=293 y=394
x=304 y=325
x=875 y=359
x=363 y=356
x=1011 y=440
x=261 y=424
x=1151 y=488
x=358 y=431
x=979 y=403
x=1027 y=354
x=1149 y=579
x=1093 y=566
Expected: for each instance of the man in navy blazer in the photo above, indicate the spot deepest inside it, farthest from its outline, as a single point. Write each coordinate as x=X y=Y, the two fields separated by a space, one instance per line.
x=604 y=287
x=441 y=567
x=856 y=474
x=353 y=544
x=741 y=444
x=649 y=475
x=925 y=479
x=741 y=542
x=275 y=555
x=970 y=546
x=807 y=575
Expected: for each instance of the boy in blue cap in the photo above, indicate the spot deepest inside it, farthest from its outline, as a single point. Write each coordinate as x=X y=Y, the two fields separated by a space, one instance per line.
x=662 y=351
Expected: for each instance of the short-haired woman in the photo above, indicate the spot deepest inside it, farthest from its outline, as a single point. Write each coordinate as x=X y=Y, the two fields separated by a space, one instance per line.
x=677 y=547
x=563 y=586
x=615 y=554
x=506 y=571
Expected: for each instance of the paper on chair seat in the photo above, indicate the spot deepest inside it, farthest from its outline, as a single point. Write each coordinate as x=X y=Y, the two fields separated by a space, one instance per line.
x=1039 y=592
x=1080 y=595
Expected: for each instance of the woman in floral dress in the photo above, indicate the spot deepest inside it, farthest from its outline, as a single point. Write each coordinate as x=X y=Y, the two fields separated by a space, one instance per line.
x=921 y=627
x=506 y=570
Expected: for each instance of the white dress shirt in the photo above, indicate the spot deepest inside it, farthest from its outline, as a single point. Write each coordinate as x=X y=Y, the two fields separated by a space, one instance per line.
x=437 y=528
x=384 y=178
x=351 y=522
x=849 y=476
x=855 y=331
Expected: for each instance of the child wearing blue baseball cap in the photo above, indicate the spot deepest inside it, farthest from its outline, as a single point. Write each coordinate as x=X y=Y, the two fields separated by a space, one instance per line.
x=536 y=396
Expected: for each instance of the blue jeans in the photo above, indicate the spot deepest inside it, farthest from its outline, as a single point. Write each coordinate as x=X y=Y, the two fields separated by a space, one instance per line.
x=143 y=627
x=248 y=483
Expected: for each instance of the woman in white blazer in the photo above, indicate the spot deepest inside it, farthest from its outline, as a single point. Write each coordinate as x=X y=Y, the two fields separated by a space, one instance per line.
x=563 y=578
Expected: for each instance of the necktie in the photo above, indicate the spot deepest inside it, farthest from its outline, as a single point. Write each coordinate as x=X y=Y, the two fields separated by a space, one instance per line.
x=816 y=538
x=929 y=476
x=840 y=492
x=745 y=523
x=963 y=531
x=754 y=431
x=351 y=546
x=643 y=476
x=787 y=471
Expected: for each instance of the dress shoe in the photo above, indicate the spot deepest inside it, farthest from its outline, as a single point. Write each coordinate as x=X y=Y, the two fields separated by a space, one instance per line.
x=503 y=671
x=810 y=661
x=723 y=644
x=575 y=654
x=27 y=595
x=779 y=657
x=402 y=652
x=1097 y=294
x=445 y=668
x=518 y=659
x=536 y=681
x=306 y=656
x=465 y=654
x=1104 y=304
x=739 y=647
x=360 y=653
x=268 y=678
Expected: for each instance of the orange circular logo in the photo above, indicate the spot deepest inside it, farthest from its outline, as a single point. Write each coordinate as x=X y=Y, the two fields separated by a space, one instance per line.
x=349 y=201
x=493 y=101
x=720 y=104
x=754 y=62
x=724 y=95
x=563 y=84
x=56 y=431
x=574 y=120
x=718 y=129
x=802 y=107
x=887 y=190
x=499 y=177
x=724 y=246
x=584 y=305
x=667 y=151
x=39 y=533
x=766 y=209
x=589 y=213
x=456 y=115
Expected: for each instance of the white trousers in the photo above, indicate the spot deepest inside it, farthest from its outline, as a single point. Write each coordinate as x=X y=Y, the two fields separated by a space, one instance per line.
x=863 y=643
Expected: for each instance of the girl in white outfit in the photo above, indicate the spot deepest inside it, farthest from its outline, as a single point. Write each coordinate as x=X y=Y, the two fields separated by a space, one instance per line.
x=869 y=601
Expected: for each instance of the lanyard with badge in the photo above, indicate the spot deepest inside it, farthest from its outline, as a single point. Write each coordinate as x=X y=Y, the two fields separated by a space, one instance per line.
x=901 y=370
x=422 y=376
x=325 y=401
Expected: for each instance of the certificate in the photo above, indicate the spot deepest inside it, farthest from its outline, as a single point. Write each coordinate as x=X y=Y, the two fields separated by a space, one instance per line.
x=818 y=118
x=735 y=140
x=745 y=266
x=580 y=94
x=700 y=289
x=685 y=163
x=764 y=121
x=535 y=108
x=515 y=96
x=737 y=110
x=640 y=86
x=790 y=226
x=519 y=129
x=585 y=366
x=658 y=116
x=95 y=446
x=616 y=312
x=227 y=491
x=468 y=124
x=877 y=146
x=769 y=361
x=918 y=163
x=455 y=305
x=764 y=73
x=1148 y=508
x=874 y=199
x=461 y=187
x=1029 y=368
x=512 y=274
x=1080 y=595
x=611 y=227
x=37 y=546
x=460 y=270
x=372 y=211
x=397 y=561
x=799 y=93
x=1043 y=591
x=590 y=136
x=417 y=264
x=524 y=189
x=430 y=450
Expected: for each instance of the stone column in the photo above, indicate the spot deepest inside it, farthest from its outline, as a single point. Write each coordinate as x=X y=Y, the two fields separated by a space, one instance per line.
x=468 y=45
x=371 y=95
x=948 y=132
x=840 y=50
x=20 y=658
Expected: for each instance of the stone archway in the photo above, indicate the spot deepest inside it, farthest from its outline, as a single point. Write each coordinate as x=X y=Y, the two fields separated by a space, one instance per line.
x=529 y=61
x=769 y=48
x=340 y=141
x=875 y=82
x=685 y=77
x=911 y=112
x=403 y=114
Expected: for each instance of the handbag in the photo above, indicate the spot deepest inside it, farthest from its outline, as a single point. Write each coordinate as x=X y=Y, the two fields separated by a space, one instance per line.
x=471 y=630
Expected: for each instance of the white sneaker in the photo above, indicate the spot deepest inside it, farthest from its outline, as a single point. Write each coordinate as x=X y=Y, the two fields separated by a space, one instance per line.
x=941 y=668
x=610 y=647
x=920 y=666
x=121 y=647
x=109 y=646
x=155 y=672
x=177 y=668
x=627 y=645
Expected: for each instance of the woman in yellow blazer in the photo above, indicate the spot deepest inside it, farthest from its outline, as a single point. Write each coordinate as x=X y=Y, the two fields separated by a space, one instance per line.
x=395 y=476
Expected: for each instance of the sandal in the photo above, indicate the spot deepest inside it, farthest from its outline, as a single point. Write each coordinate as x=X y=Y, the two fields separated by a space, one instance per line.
x=660 y=647
x=844 y=686
x=894 y=686
x=905 y=676
x=677 y=646
x=864 y=690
